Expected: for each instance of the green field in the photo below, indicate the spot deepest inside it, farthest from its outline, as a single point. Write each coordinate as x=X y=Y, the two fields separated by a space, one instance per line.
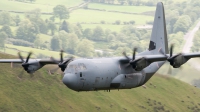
x=90 y=16
x=45 y=38
x=44 y=5
x=68 y=3
x=132 y=9
x=45 y=92
x=116 y=28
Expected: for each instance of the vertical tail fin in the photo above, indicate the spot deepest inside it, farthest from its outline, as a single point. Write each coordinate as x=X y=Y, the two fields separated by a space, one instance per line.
x=159 y=39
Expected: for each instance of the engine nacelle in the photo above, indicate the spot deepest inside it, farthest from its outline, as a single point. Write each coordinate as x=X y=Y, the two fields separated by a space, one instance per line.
x=140 y=64
x=177 y=61
x=33 y=66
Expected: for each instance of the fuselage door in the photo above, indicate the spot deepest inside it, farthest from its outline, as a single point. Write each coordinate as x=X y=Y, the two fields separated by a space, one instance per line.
x=82 y=80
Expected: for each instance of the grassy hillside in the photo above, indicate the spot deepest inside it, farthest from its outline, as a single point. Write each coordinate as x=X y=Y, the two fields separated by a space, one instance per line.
x=44 y=92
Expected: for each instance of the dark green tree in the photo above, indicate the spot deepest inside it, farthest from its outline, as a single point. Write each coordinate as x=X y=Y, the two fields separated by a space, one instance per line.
x=17 y=20
x=55 y=43
x=52 y=27
x=61 y=12
x=182 y=24
x=7 y=30
x=85 y=48
x=27 y=31
x=64 y=39
x=37 y=42
x=65 y=26
x=35 y=17
x=43 y=26
x=98 y=34
x=78 y=31
x=3 y=37
x=72 y=43
x=88 y=33
x=5 y=18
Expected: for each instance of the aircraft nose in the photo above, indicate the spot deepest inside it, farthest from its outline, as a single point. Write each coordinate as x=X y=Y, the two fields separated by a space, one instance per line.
x=70 y=80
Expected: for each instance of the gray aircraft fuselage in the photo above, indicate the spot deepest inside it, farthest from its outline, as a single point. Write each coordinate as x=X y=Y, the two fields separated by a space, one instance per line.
x=105 y=74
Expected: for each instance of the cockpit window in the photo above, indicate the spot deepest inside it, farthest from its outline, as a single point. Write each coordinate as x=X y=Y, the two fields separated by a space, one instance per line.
x=81 y=66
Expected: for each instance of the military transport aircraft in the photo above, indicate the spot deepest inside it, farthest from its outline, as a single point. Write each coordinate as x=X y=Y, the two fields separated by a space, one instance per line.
x=117 y=72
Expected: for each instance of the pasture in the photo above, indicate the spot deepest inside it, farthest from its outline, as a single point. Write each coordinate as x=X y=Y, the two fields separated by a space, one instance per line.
x=44 y=5
x=121 y=8
x=116 y=28
x=91 y=16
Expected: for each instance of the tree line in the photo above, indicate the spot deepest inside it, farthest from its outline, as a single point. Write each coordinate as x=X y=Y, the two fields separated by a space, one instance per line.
x=131 y=2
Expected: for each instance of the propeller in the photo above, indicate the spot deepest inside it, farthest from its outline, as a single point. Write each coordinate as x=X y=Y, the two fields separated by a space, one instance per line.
x=25 y=63
x=62 y=63
x=170 y=58
x=133 y=56
x=129 y=60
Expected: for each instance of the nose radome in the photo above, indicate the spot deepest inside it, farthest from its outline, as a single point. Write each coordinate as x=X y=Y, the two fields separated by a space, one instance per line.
x=70 y=80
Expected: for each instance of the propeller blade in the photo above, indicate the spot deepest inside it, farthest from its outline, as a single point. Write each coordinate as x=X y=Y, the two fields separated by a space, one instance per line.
x=61 y=56
x=20 y=57
x=134 y=52
x=66 y=61
x=124 y=53
x=28 y=57
x=171 y=50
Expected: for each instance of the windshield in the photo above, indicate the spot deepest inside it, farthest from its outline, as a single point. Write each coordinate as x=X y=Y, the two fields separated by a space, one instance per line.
x=74 y=67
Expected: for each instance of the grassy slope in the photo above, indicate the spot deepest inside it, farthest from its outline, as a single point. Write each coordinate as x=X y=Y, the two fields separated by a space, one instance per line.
x=46 y=93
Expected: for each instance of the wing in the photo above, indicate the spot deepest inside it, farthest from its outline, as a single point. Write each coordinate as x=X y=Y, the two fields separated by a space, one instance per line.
x=154 y=58
x=149 y=58
x=191 y=55
x=41 y=61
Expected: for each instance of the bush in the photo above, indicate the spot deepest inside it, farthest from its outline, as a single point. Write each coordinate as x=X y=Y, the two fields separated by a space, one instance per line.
x=42 y=56
x=85 y=7
x=103 y=22
x=117 y=22
x=132 y=22
x=19 y=42
x=149 y=22
x=125 y=22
